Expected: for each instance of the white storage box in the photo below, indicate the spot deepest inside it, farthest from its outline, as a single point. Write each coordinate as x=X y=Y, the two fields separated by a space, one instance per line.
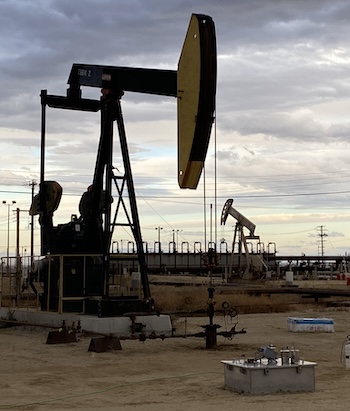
x=260 y=378
x=295 y=324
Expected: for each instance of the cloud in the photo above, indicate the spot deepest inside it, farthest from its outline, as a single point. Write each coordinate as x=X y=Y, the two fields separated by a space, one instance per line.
x=283 y=98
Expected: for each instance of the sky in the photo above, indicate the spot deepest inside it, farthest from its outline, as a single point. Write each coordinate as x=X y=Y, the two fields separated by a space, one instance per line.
x=280 y=141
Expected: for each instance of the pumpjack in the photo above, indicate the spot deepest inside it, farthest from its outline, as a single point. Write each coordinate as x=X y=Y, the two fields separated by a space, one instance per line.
x=75 y=269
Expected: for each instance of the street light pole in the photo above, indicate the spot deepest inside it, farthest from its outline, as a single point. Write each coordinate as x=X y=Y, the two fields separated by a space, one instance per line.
x=159 y=244
x=176 y=243
x=160 y=248
x=177 y=239
x=8 y=233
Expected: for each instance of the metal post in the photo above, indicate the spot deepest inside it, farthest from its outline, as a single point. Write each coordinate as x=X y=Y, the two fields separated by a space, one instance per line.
x=42 y=166
x=43 y=128
x=159 y=247
x=48 y=286
x=32 y=184
x=159 y=243
x=46 y=218
x=109 y=109
x=18 y=261
x=60 y=291
x=211 y=328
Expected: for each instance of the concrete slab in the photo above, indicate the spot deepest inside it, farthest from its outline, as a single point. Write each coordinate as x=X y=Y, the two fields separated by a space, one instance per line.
x=119 y=326
x=264 y=378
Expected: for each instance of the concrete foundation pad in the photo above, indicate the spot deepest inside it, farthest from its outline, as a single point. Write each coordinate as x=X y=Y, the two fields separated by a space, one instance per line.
x=118 y=326
x=262 y=378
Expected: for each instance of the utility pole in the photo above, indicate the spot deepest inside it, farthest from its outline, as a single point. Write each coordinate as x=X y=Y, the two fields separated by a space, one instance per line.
x=322 y=234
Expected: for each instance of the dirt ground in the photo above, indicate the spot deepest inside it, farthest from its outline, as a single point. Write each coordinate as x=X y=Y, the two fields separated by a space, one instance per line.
x=174 y=374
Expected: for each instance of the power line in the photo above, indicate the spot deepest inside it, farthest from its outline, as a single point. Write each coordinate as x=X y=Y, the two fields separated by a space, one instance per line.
x=222 y=196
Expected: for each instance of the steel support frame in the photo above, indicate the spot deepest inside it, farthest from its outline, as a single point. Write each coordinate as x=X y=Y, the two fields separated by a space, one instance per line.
x=134 y=223
x=111 y=111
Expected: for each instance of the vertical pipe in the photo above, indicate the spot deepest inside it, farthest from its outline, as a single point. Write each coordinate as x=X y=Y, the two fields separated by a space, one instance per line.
x=211 y=223
x=43 y=131
x=84 y=282
x=18 y=259
x=2 y=281
x=215 y=184
x=48 y=285
x=8 y=240
x=43 y=214
x=204 y=211
x=108 y=152
x=32 y=229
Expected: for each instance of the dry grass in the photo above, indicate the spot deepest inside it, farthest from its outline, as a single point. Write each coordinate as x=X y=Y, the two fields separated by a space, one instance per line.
x=195 y=298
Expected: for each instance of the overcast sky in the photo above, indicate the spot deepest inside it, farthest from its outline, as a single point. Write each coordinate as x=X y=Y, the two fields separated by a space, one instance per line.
x=282 y=129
